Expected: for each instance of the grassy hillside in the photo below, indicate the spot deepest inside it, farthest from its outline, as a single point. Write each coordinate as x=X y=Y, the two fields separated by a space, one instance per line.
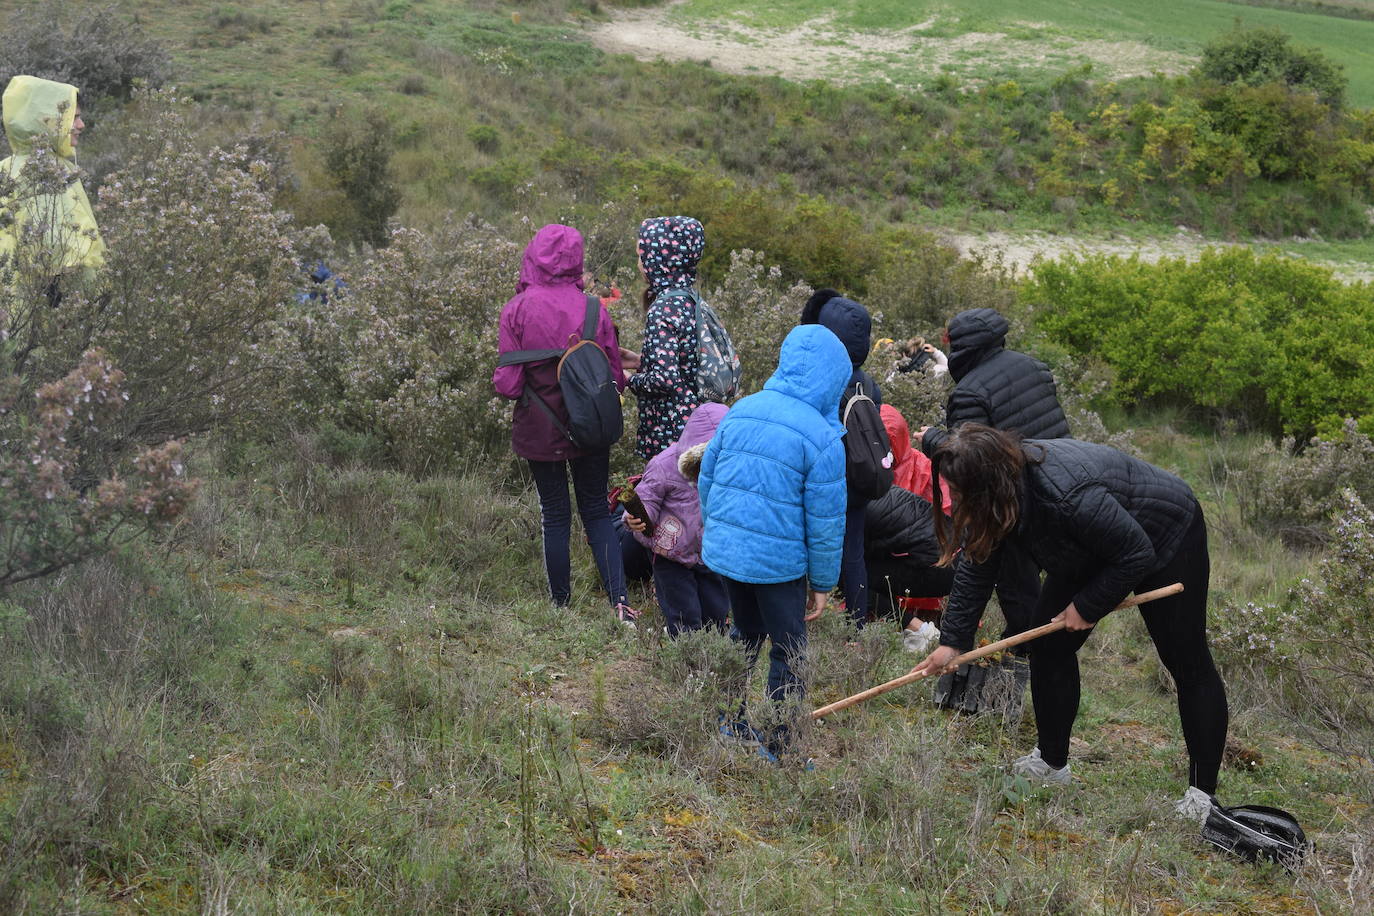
x=1169 y=25
x=336 y=685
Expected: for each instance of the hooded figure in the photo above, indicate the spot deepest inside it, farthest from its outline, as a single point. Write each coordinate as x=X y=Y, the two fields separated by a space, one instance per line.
x=995 y=386
x=548 y=312
x=40 y=116
x=689 y=594
x=670 y=498
x=850 y=322
x=773 y=501
x=772 y=479
x=910 y=467
x=1010 y=391
x=666 y=384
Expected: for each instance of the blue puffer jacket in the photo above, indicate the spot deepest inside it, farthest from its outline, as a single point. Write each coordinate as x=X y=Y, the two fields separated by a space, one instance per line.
x=772 y=480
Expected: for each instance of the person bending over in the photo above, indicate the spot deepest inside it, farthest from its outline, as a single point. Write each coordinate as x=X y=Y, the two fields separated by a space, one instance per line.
x=1101 y=524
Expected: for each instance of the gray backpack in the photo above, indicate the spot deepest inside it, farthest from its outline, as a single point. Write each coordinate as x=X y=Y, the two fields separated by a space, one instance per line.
x=718 y=366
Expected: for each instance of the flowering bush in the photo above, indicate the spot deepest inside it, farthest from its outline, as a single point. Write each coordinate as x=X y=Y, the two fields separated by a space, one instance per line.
x=198 y=268
x=408 y=352
x=1297 y=495
x=1319 y=643
x=49 y=518
x=758 y=308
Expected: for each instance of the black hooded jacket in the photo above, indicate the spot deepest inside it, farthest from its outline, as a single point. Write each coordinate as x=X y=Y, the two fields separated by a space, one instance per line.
x=995 y=386
x=851 y=323
x=900 y=523
x=1089 y=514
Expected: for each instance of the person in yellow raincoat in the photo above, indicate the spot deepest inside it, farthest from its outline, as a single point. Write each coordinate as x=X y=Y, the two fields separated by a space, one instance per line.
x=53 y=215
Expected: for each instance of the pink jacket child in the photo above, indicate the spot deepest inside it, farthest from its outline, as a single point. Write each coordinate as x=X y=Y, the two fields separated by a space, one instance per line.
x=547 y=313
x=688 y=593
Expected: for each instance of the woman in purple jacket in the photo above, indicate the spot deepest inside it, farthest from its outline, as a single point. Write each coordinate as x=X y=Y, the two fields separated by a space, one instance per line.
x=547 y=313
x=689 y=594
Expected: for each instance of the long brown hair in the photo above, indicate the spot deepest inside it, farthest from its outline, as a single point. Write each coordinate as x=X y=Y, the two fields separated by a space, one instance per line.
x=984 y=465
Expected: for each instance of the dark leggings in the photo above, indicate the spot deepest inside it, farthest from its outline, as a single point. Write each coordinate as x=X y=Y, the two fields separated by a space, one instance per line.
x=1178 y=628
x=853 y=569
x=589 y=475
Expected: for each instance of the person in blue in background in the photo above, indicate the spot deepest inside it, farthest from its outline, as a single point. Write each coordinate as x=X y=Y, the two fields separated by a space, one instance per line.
x=851 y=323
x=320 y=276
x=772 y=492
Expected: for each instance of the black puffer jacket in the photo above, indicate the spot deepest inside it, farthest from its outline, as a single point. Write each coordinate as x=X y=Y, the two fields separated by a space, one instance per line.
x=1091 y=515
x=995 y=386
x=900 y=522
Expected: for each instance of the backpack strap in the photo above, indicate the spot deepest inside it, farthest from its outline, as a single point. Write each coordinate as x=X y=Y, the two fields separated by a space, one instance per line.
x=593 y=318
x=519 y=357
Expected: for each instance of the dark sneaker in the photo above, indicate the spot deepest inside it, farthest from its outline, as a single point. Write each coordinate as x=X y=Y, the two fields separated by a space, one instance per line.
x=738 y=731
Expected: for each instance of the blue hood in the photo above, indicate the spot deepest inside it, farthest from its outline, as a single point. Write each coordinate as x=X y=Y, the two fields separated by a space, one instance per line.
x=813 y=367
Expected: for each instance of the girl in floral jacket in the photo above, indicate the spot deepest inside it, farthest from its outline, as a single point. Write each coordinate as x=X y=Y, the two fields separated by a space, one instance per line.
x=666 y=381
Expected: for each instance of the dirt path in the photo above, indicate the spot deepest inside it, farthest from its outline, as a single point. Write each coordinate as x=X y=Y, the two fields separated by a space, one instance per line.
x=1019 y=250
x=818 y=49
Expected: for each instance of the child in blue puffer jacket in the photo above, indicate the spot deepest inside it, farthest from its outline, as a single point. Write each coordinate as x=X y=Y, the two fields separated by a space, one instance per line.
x=772 y=491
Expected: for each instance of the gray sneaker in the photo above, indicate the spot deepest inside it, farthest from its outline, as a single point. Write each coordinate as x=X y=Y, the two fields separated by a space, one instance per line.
x=1194 y=806
x=1034 y=768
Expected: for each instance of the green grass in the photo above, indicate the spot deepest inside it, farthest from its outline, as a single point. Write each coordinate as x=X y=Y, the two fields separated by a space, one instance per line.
x=1181 y=26
x=339 y=690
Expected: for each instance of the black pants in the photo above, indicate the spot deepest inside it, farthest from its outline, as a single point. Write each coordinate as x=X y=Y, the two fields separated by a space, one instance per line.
x=637 y=559
x=1018 y=589
x=853 y=570
x=589 y=475
x=776 y=612
x=890 y=578
x=690 y=596
x=1178 y=628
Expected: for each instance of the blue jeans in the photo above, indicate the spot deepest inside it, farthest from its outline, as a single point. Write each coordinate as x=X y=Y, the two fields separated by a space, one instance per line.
x=589 y=477
x=690 y=596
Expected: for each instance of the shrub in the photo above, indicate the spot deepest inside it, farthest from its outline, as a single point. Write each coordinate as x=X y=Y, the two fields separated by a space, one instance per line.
x=357 y=157
x=1254 y=57
x=1296 y=495
x=51 y=515
x=1273 y=342
x=408 y=352
x=758 y=307
x=198 y=267
x=1328 y=683
x=97 y=49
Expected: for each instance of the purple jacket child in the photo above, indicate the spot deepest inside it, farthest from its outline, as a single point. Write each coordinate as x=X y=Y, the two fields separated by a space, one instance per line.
x=547 y=313
x=670 y=499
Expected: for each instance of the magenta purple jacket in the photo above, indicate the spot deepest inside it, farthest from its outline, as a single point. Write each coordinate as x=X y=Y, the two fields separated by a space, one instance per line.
x=547 y=313
x=671 y=499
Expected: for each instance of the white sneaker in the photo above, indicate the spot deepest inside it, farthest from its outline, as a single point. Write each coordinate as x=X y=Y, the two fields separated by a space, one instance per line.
x=1194 y=805
x=1033 y=767
x=921 y=640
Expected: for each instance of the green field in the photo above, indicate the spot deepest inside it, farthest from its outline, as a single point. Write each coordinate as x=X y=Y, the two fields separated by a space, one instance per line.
x=1180 y=26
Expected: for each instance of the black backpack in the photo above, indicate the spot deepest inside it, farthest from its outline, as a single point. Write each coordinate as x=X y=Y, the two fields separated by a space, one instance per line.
x=1256 y=832
x=588 y=385
x=868 y=454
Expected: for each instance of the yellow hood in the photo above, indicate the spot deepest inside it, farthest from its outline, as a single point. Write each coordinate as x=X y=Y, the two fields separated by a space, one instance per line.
x=34 y=107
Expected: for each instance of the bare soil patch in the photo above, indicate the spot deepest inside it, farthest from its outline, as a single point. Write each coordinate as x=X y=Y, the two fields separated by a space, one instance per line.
x=1019 y=251
x=819 y=50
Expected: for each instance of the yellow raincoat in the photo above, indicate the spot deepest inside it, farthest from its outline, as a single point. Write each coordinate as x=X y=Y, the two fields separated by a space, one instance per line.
x=33 y=109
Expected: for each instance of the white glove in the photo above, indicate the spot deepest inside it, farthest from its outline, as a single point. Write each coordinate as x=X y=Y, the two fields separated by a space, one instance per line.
x=921 y=640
